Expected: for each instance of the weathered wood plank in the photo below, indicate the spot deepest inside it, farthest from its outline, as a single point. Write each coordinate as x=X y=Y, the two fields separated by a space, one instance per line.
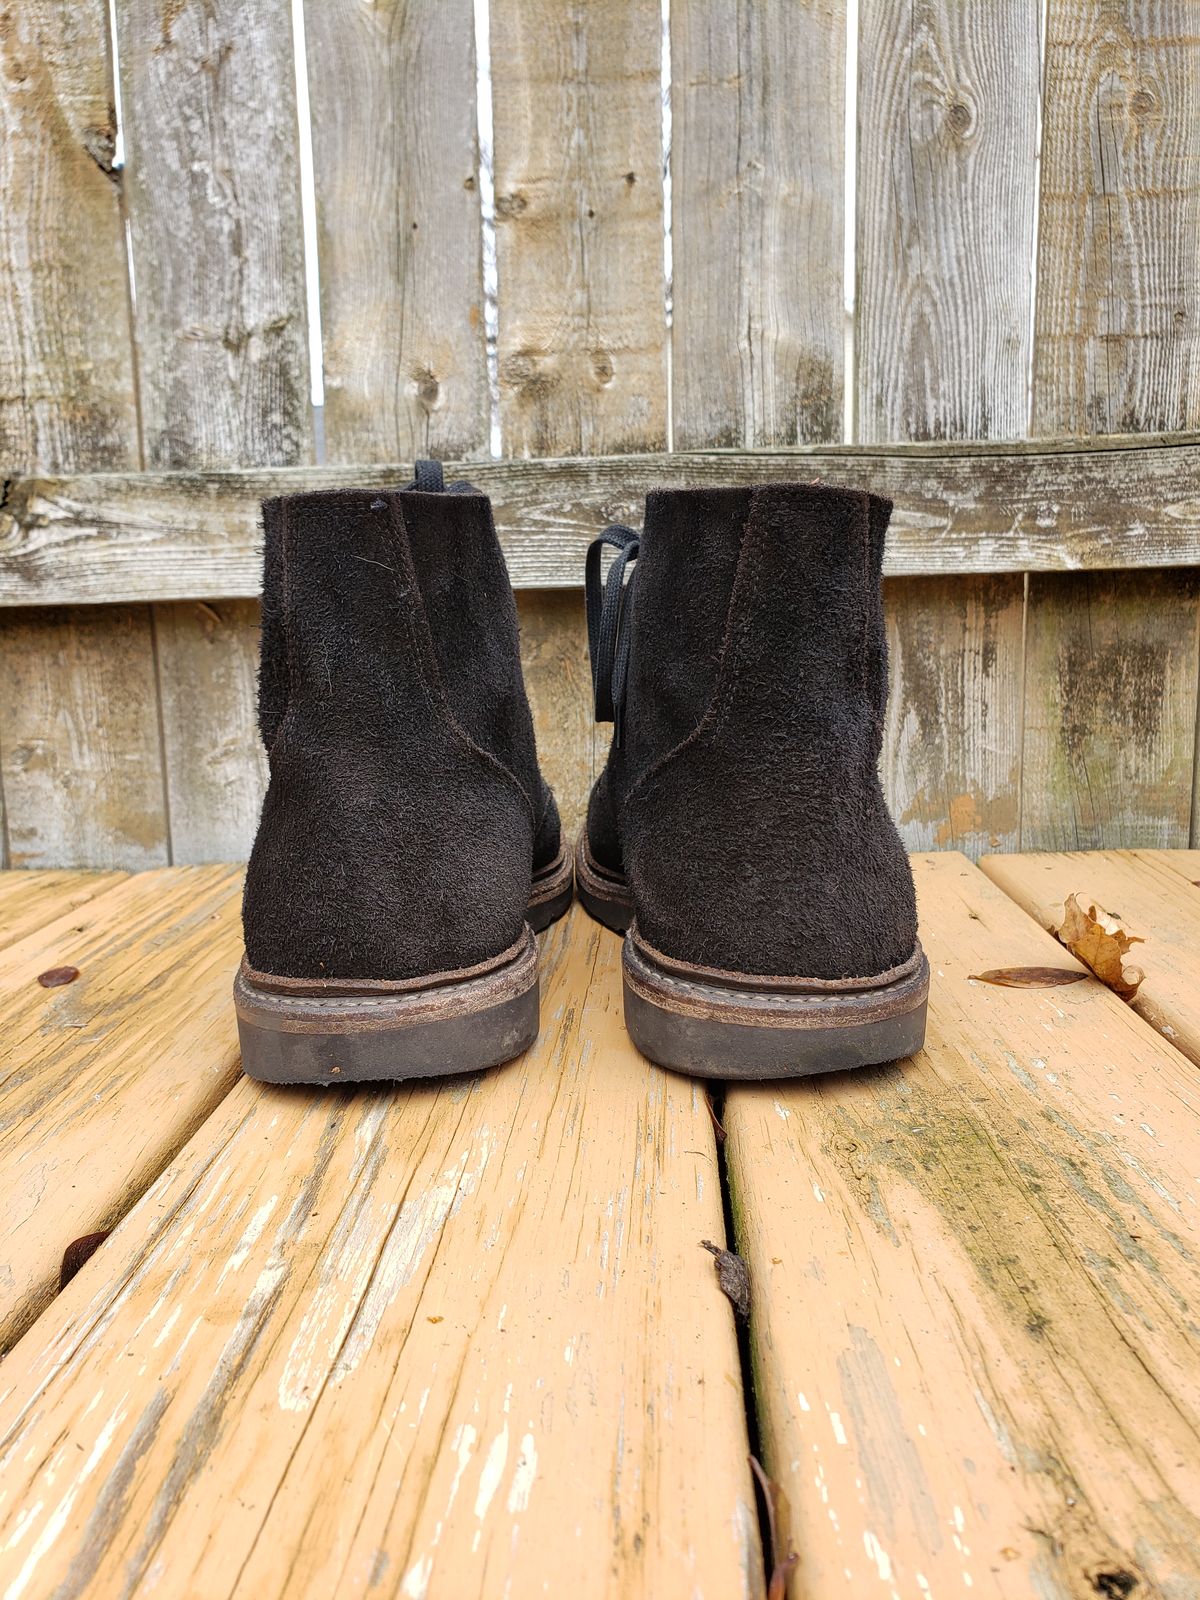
x=208 y=688
x=972 y=1275
x=1115 y=346
x=576 y=96
x=1150 y=898
x=28 y=900
x=475 y=1316
x=1118 y=303
x=951 y=763
x=79 y=744
x=757 y=164
x=66 y=362
x=399 y=231
x=106 y=1078
x=1110 y=710
x=959 y=510
x=1185 y=862
x=213 y=195
x=947 y=116
x=558 y=679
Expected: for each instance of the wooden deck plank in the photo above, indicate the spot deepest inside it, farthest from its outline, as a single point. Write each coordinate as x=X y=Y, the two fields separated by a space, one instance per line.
x=1149 y=897
x=444 y=1340
x=1185 y=862
x=29 y=900
x=104 y=1080
x=973 y=1275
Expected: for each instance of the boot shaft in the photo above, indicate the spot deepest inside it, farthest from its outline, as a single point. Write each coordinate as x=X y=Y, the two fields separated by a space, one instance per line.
x=405 y=812
x=763 y=608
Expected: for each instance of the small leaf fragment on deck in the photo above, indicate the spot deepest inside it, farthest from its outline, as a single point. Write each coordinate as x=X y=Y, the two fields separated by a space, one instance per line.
x=1101 y=943
x=55 y=977
x=1028 y=977
x=732 y=1275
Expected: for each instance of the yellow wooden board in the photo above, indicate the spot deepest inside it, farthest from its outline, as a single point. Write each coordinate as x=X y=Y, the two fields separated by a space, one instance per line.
x=28 y=900
x=441 y=1341
x=975 y=1276
x=1149 y=896
x=105 y=1078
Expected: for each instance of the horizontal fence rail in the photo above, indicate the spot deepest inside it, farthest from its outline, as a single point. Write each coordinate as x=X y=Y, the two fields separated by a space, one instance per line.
x=1052 y=506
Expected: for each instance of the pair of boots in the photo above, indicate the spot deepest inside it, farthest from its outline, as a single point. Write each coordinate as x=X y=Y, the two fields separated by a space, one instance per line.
x=409 y=848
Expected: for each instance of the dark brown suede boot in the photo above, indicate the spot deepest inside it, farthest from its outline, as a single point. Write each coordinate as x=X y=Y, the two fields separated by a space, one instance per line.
x=408 y=845
x=739 y=831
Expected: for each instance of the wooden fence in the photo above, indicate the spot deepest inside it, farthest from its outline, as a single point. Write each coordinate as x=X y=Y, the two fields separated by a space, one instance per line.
x=1022 y=362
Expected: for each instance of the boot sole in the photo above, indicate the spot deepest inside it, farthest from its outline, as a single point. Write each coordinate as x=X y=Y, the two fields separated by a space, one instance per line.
x=331 y=1031
x=734 y=1025
x=604 y=895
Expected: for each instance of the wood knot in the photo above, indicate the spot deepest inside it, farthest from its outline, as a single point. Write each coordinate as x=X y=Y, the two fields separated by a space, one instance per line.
x=1143 y=102
x=959 y=118
x=511 y=205
x=428 y=388
x=602 y=367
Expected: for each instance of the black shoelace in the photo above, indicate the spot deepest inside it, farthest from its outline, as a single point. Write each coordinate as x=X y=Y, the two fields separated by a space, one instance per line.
x=608 y=642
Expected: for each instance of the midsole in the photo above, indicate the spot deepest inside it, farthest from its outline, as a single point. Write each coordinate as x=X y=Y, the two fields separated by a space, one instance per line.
x=767 y=1002
x=367 y=1009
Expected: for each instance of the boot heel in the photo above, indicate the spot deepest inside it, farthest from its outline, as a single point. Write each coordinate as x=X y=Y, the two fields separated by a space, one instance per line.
x=331 y=1031
x=734 y=1025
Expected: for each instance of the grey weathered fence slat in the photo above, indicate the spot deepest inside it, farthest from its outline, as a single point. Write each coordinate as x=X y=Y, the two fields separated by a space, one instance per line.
x=1110 y=710
x=207 y=684
x=979 y=509
x=1118 y=305
x=576 y=92
x=83 y=775
x=213 y=196
x=757 y=164
x=66 y=370
x=947 y=116
x=947 y=119
x=399 y=238
x=78 y=788
x=1112 y=673
x=577 y=136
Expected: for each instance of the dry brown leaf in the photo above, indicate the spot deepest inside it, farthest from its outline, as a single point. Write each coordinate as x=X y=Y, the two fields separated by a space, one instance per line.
x=781 y=1564
x=1029 y=977
x=1101 y=943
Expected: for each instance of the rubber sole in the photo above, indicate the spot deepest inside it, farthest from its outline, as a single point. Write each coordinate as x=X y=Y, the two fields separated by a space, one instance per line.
x=330 y=1031
x=604 y=895
x=736 y=1025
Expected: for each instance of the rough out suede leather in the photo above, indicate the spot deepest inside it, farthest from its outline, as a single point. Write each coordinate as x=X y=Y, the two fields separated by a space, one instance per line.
x=405 y=812
x=744 y=804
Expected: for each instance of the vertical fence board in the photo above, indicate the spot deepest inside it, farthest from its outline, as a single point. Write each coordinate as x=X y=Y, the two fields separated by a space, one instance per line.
x=757 y=163
x=947 y=118
x=75 y=799
x=399 y=230
x=213 y=194
x=579 y=225
x=1110 y=712
x=66 y=370
x=952 y=749
x=1118 y=319
x=76 y=790
x=1110 y=689
x=558 y=679
x=208 y=659
x=947 y=148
